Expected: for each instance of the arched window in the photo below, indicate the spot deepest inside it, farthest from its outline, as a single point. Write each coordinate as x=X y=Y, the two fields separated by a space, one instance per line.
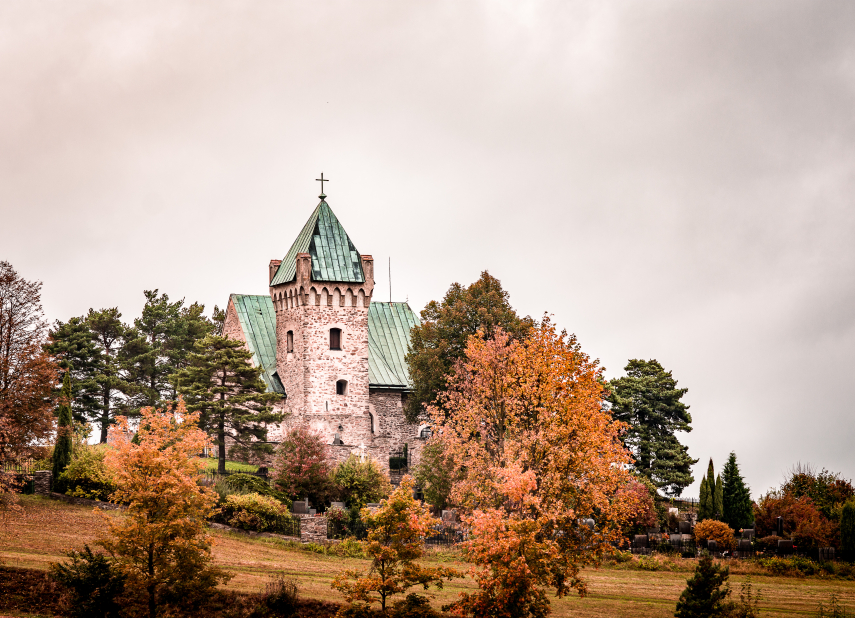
x=335 y=339
x=341 y=387
x=290 y=341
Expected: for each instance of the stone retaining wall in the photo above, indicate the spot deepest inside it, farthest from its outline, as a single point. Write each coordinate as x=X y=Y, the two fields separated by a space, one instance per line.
x=313 y=528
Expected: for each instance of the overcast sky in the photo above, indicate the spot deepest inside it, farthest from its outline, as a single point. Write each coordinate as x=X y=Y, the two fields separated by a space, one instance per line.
x=670 y=180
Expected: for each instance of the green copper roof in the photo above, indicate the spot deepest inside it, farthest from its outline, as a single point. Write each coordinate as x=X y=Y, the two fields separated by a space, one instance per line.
x=258 y=320
x=389 y=327
x=334 y=258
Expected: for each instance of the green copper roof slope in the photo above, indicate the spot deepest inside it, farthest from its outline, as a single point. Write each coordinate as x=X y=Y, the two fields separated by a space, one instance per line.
x=334 y=258
x=258 y=321
x=389 y=327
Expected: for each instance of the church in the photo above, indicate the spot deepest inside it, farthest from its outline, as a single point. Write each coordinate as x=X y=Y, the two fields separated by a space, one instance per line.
x=336 y=355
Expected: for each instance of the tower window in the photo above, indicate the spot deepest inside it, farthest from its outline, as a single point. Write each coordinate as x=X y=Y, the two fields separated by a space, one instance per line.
x=335 y=339
x=341 y=387
x=290 y=341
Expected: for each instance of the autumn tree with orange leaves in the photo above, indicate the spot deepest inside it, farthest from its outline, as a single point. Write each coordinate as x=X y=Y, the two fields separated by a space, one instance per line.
x=536 y=454
x=161 y=543
x=27 y=375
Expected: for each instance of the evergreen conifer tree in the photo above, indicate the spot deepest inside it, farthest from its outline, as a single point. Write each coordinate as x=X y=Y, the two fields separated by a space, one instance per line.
x=736 y=496
x=221 y=383
x=70 y=345
x=718 y=506
x=704 y=502
x=706 y=592
x=62 y=450
x=648 y=400
x=108 y=333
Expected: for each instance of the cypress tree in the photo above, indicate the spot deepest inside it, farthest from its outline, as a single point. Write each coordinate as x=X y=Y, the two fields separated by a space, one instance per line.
x=718 y=507
x=62 y=450
x=736 y=500
x=847 y=530
x=704 y=508
x=706 y=592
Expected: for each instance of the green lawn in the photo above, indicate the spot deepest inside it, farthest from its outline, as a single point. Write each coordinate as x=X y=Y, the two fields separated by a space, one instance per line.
x=232 y=466
x=49 y=528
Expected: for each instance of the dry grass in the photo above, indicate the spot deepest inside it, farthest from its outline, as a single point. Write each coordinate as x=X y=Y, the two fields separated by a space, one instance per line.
x=49 y=528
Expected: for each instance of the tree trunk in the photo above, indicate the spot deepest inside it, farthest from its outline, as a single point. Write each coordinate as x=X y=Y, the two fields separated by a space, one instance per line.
x=105 y=415
x=221 y=438
x=152 y=586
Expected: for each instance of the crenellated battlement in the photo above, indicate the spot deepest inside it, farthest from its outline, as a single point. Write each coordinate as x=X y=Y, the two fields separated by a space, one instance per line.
x=303 y=292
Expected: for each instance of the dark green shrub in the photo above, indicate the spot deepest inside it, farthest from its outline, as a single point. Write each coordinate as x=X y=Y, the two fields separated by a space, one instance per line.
x=414 y=606
x=93 y=581
x=706 y=592
x=357 y=610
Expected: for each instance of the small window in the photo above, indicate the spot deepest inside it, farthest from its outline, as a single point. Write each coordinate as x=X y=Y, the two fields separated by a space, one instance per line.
x=335 y=339
x=341 y=387
x=290 y=341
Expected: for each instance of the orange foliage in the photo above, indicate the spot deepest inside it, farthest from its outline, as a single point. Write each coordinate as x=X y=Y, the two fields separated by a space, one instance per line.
x=718 y=531
x=161 y=544
x=803 y=522
x=536 y=453
x=395 y=540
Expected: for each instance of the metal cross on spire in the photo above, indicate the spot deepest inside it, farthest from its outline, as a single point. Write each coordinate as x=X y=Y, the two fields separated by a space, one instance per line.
x=322 y=180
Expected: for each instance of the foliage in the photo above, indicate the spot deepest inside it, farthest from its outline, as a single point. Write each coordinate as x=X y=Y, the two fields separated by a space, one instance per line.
x=161 y=543
x=252 y=511
x=847 y=530
x=221 y=383
x=706 y=592
x=534 y=453
x=62 y=450
x=641 y=507
x=828 y=491
x=247 y=483
x=737 y=508
x=93 y=581
x=360 y=482
x=302 y=467
x=705 y=500
x=647 y=399
x=87 y=476
x=803 y=523
x=441 y=338
x=748 y=604
x=433 y=475
x=396 y=532
x=27 y=376
x=718 y=531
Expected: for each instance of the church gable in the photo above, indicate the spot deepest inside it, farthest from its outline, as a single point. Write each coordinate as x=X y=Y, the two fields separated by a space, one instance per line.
x=257 y=321
x=334 y=257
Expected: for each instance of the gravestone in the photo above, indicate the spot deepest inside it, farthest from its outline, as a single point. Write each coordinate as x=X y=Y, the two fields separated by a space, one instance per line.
x=785 y=547
x=300 y=507
x=748 y=534
x=780 y=526
x=639 y=541
x=685 y=527
x=712 y=546
x=338 y=504
x=826 y=554
x=449 y=517
x=744 y=545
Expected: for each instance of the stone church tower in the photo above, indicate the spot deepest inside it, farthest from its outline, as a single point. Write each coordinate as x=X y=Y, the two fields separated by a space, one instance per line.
x=320 y=340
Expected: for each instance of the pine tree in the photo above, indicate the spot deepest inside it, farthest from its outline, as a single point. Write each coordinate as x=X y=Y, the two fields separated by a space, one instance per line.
x=718 y=506
x=108 y=333
x=62 y=450
x=706 y=592
x=221 y=383
x=648 y=400
x=738 y=511
x=71 y=347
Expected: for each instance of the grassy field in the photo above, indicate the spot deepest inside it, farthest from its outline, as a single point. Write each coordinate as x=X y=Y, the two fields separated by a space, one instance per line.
x=50 y=528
